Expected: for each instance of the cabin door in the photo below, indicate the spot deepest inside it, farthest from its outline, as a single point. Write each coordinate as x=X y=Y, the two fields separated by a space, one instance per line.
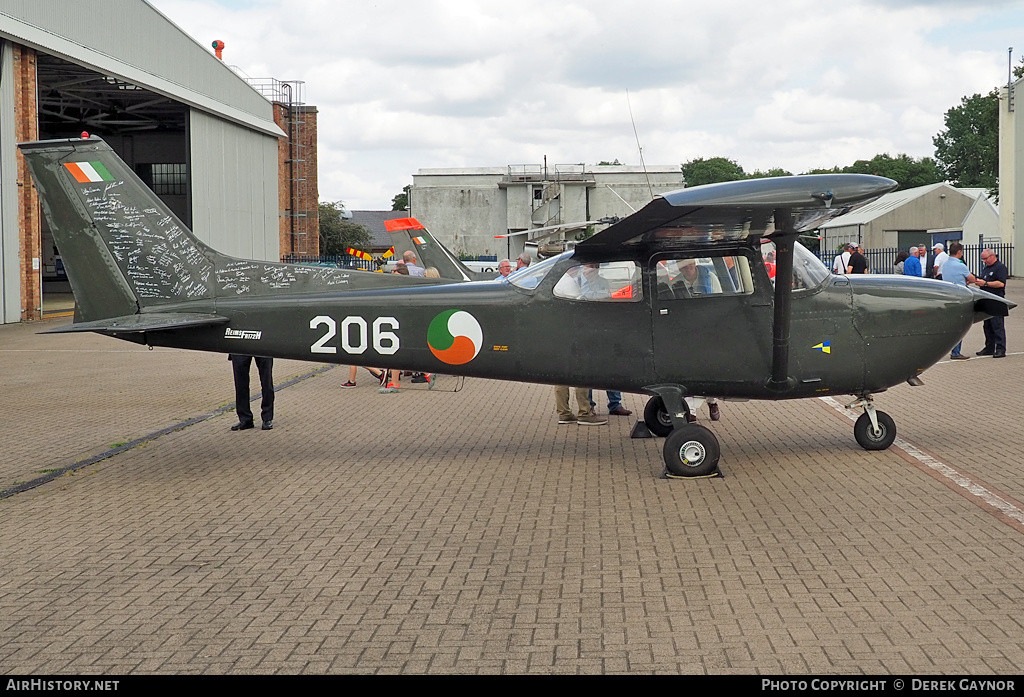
x=712 y=318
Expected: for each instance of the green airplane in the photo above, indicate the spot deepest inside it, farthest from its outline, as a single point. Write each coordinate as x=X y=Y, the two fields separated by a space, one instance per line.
x=703 y=292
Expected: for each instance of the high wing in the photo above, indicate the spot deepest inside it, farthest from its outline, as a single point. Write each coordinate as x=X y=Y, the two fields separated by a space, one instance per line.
x=731 y=211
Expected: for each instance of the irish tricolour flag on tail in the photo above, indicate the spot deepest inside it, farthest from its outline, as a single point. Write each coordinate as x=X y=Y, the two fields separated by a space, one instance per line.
x=85 y=172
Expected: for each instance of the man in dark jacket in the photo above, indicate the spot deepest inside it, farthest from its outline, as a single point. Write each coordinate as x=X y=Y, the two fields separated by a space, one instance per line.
x=993 y=279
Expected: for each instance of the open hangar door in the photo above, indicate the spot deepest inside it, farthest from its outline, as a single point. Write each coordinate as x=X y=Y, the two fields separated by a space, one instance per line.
x=147 y=130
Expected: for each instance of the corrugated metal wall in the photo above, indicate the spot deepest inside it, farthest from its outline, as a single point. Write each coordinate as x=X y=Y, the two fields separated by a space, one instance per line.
x=134 y=32
x=234 y=188
x=10 y=271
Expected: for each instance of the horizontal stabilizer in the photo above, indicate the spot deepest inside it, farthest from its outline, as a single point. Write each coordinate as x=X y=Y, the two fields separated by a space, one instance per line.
x=989 y=305
x=148 y=322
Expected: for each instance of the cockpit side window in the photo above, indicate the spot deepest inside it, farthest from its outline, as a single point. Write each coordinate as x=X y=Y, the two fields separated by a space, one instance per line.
x=703 y=277
x=608 y=281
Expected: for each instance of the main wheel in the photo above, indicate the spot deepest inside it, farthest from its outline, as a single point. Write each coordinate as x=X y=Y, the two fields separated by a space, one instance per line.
x=691 y=451
x=868 y=438
x=656 y=417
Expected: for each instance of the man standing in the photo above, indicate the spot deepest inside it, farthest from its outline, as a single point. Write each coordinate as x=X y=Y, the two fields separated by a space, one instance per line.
x=409 y=258
x=993 y=279
x=912 y=265
x=857 y=263
x=842 y=261
x=586 y=417
x=940 y=259
x=240 y=369
x=956 y=272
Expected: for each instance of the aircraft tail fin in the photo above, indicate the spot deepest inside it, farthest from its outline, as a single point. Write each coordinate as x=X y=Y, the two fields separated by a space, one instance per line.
x=408 y=234
x=122 y=247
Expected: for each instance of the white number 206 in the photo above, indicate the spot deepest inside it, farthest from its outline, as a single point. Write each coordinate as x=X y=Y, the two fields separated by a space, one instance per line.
x=354 y=335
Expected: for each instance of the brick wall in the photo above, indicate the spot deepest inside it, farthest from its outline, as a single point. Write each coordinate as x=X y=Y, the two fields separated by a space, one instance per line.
x=297 y=180
x=26 y=127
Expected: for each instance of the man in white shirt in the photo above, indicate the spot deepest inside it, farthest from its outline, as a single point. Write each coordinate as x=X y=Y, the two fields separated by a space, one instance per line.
x=940 y=259
x=842 y=260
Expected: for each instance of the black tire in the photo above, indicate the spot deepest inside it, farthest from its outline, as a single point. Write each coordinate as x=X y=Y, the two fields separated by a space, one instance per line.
x=868 y=439
x=656 y=417
x=691 y=451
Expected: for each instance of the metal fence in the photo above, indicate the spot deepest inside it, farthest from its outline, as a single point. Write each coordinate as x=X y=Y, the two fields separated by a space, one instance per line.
x=884 y=260
x=342 y=261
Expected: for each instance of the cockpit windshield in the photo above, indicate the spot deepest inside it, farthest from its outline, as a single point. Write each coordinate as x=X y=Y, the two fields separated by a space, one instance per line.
x=808 y=271
x=530 y=277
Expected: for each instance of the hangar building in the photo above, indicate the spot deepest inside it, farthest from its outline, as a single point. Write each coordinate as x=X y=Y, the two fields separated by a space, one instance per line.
x=207 y=142
x=923 y=215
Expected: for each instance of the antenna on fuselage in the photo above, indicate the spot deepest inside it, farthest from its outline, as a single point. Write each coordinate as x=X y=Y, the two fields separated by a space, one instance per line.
x=640 y=149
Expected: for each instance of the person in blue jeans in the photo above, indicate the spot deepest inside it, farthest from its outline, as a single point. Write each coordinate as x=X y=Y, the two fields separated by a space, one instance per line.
x=615 y=407
x=960 y=275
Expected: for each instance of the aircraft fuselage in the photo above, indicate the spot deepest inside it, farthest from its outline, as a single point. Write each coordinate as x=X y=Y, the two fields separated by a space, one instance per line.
x=848 y=335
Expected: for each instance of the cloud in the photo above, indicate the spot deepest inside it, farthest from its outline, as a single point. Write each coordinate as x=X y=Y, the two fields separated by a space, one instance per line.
x=796 y=84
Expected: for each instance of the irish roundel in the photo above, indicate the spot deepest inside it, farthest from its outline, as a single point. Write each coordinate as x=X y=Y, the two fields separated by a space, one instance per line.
x=455 y=337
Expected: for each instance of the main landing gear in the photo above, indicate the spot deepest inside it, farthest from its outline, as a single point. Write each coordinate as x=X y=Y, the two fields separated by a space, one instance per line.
x=874 y=430
x=690 y=450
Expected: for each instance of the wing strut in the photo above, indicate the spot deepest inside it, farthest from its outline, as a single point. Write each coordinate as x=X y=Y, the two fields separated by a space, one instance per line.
x=784 y=239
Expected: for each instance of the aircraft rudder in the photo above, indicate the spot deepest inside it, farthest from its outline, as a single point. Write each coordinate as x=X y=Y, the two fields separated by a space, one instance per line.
x=409 y=234
x=122 y=247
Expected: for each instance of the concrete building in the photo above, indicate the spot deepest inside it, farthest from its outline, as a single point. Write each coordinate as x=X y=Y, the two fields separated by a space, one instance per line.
x=207 y=142
x=467 y=208
x=911 y=217
x=1011 y=167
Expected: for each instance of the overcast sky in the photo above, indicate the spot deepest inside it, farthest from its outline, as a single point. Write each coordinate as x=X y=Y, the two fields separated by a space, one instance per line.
x=402 y=85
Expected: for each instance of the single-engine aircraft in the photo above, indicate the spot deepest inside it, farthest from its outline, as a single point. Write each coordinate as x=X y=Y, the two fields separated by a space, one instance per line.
x=675 y=300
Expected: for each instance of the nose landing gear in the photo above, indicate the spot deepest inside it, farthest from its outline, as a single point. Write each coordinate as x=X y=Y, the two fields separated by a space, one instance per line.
x=874 y=430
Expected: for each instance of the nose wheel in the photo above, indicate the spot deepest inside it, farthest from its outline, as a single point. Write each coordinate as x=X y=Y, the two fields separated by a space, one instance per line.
x=874 y=430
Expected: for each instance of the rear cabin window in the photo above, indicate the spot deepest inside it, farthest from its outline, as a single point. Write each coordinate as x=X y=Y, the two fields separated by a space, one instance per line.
x=703 y=277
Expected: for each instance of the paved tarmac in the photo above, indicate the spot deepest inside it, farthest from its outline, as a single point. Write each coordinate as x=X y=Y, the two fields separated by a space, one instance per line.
x=466 y=532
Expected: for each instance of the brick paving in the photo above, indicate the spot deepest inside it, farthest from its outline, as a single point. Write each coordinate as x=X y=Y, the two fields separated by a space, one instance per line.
x=465 y=532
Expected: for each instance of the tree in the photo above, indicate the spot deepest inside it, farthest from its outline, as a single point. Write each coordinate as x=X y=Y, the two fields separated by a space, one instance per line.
x=336 y=233
x=904 y=169
x=401 y=201
x=968 y=148
x=714 y=169
x=606 y=162
x=773 y=172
